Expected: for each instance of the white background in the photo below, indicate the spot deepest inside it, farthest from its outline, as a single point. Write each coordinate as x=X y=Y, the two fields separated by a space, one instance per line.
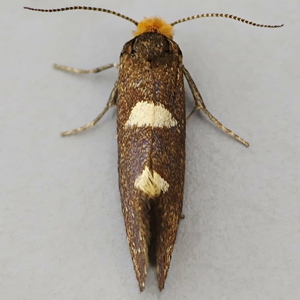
x=61 y=229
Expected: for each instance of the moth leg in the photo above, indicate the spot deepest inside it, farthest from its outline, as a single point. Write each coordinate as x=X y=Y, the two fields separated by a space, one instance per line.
x=201 y=107
x=110 y=103
x=79 y=71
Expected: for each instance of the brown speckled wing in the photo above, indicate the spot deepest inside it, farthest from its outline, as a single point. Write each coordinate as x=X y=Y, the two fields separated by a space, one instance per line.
x=151 y=73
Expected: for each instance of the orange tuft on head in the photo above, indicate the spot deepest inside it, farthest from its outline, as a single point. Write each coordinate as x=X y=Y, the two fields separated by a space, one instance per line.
x=154 y=24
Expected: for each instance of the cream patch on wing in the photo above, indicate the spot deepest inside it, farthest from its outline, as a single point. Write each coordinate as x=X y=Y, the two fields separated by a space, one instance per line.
x=151 y=183
x=149 y=114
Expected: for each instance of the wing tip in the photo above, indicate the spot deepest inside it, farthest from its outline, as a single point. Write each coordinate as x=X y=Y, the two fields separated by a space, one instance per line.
x=141 y=285
x=140 y=263
x=162 y=268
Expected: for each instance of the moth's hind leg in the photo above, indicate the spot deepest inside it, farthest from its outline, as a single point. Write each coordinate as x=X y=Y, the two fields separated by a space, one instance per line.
x=80 y=71
x=201 y=107
x=110 y=103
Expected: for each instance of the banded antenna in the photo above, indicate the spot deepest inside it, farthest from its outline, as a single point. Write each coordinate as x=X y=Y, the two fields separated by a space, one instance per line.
x=84 y=8
x=223 y=16
x=207 y=15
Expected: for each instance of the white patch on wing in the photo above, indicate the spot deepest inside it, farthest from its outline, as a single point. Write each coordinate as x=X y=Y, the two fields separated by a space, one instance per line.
x=151 y=183
x=149 y=114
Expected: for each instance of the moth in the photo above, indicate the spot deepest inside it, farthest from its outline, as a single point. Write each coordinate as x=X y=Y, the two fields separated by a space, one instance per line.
x=151 y=125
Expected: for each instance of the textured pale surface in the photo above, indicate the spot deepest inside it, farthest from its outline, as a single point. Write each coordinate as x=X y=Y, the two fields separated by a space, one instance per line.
x=151 y=184
x=149 y=114
x=61 y=228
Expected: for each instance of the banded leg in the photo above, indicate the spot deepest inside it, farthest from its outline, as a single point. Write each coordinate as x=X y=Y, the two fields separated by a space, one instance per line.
x=201 y=107
x=79 y=71
x=110 y=103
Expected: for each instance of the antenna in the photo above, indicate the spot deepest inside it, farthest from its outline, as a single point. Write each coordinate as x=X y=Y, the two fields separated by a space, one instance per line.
x=85 y=8
x=208 y=15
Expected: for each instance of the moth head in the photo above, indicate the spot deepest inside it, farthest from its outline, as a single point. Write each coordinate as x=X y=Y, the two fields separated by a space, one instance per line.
x=154 y=24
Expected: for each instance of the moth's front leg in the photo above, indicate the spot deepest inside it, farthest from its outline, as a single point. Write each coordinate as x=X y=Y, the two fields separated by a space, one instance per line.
x=80 y=71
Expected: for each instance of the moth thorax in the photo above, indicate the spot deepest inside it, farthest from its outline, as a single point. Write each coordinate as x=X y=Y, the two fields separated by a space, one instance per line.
x=149 y=46
x=154 y=24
